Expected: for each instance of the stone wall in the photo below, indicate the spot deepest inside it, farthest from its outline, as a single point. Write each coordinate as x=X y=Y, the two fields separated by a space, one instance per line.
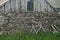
x=17 y=19
x=27 y=21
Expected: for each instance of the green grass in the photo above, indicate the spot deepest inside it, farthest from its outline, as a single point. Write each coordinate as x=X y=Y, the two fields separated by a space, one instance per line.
x=29 y=36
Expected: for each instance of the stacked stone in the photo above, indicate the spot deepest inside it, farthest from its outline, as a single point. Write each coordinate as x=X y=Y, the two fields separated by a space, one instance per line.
x=49 y=18
x=27 y=21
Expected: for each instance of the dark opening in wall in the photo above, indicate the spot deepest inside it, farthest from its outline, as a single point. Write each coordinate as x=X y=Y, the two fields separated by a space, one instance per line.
x=30 y=5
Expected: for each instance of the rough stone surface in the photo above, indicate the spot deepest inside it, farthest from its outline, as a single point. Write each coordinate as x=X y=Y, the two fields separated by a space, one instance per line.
x=24 y=20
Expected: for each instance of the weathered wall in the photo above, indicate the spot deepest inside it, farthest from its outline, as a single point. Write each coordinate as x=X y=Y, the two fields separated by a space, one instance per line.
x=27 y=21
x=30 y=21
x=21 y=5
x=11 y=5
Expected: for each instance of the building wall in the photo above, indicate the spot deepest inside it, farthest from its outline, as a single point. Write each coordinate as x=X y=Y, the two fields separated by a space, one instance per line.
x=21 y=5
x=11 y=5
